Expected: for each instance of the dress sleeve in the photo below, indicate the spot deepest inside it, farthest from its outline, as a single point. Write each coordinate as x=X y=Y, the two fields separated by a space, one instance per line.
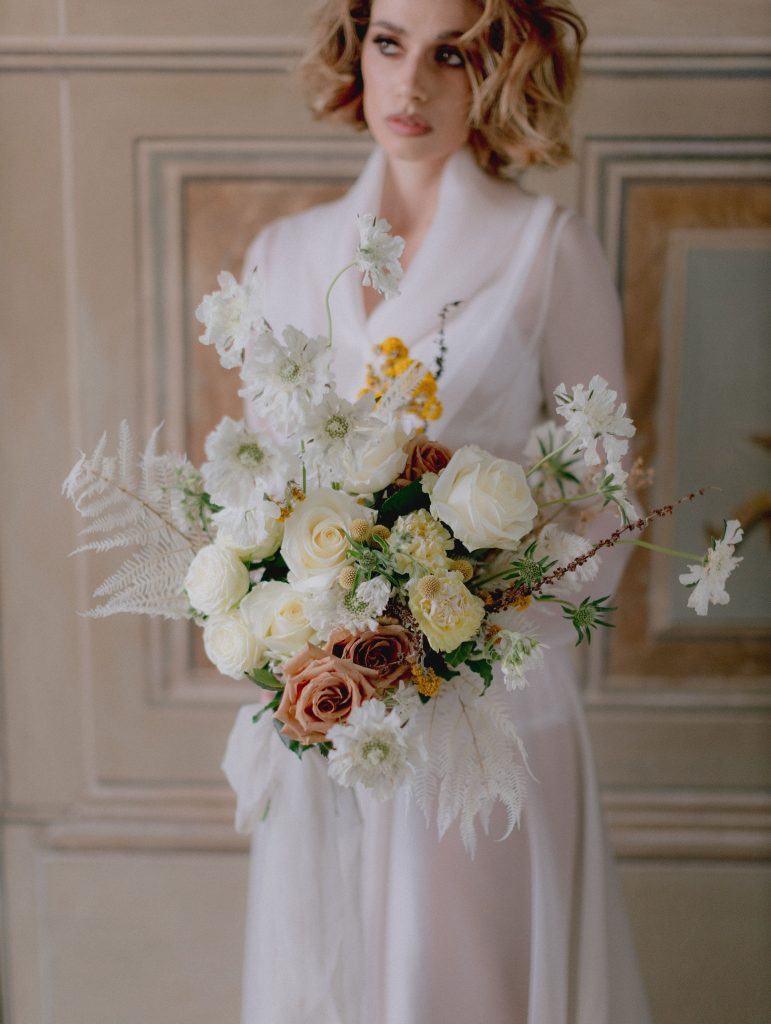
x=581 y=334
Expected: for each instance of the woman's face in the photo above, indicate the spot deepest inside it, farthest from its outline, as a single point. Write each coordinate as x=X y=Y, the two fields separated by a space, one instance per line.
x=416 y=88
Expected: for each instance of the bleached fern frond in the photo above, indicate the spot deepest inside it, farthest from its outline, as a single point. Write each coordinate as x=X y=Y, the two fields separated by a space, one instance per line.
x=475 y=757
x=400 y=391
x=156 y=506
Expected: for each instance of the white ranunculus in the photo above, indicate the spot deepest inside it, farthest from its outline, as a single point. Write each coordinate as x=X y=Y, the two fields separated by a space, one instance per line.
x=275 y=615
x=252 y=533
x=231 y=645
x=315 y=547
x=216 y=580
x=485 y=501
x=377 y=459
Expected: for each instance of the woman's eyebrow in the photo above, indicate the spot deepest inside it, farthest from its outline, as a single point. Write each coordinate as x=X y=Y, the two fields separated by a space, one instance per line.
x=389 y=26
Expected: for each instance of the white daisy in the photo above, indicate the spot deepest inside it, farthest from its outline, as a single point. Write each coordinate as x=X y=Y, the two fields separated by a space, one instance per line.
x=378 y=254
x=591 y=415
x=230 y=315
x=373 y=748
x=244 y=466
x=708 y=579
x=288 y=376
x=354 y=610
x=521 y=654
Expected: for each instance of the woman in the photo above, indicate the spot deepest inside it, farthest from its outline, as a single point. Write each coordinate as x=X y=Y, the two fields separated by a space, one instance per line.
x=532 y=931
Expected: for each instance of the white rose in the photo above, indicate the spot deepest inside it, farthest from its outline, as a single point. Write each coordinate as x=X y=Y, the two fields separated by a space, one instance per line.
x=485 y=501
x=216 y=580
x=377 y=459
x=253 y=533
x=231 y=645
x=314 y=546
x=275 y=614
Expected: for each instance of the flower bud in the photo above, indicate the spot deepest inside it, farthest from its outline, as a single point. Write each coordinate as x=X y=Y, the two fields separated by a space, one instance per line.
x=360 y=530
x=464 y=567
x=347 y=577
x=429 y=586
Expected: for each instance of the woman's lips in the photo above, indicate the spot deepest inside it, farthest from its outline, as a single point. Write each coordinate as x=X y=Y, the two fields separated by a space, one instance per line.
x=408 y=124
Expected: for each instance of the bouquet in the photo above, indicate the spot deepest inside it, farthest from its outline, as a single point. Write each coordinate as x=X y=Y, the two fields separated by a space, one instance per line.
x=365 y=576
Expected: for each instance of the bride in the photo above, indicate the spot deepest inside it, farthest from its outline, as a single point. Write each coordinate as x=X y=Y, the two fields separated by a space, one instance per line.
x=533 y=930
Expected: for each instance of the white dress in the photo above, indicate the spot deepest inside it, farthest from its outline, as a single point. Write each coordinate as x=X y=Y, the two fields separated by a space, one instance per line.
x=533 y=930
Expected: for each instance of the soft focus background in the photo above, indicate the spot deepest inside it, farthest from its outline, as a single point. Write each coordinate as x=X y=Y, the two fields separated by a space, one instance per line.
x=143 y=144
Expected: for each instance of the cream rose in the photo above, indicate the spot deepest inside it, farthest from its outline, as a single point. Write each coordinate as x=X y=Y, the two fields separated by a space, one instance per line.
x=315 y=546
x=377 y=459
x=216 y=580
x=231 y=646
x=485 y=501
x=275 y=614
x=445 y=609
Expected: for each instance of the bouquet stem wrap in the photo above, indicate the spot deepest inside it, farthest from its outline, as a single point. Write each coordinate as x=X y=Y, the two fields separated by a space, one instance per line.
x=306 y=858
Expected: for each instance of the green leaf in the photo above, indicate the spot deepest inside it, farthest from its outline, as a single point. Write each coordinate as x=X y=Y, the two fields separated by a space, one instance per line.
x=435 y=661
x=460 y=653
x=271 y=706
x=406 y=499
x=275 y=567
x=264 y=677
x=294 y=745
x=482 y=668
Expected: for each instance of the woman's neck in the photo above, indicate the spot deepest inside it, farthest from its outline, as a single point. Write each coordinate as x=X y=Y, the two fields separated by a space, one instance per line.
x=409 y=203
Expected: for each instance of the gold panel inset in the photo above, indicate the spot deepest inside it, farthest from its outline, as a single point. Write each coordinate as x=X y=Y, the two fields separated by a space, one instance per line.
x=654 y=212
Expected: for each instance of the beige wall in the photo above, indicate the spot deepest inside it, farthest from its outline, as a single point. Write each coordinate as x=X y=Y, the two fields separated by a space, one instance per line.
x=142 y=144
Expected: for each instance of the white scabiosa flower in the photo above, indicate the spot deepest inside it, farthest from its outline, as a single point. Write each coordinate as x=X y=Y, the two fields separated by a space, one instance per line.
x=373 y=748
x=377 y=256
x=563 y=547
x=287 y=377
x=591 y=415
x=708 y=580
x=332 y=431
x=244 y=466
x=520 y=655
x=615 y=489
x=230 y=315
x=253 y=533
x=355 y=610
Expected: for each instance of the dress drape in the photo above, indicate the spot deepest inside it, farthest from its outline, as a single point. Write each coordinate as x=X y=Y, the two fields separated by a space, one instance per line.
x=533 y=930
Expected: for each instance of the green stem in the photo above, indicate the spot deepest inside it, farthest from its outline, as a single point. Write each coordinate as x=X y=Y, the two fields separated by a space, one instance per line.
x=550 y=455
x=565 y=501
x=335 y=279
x=663 y=551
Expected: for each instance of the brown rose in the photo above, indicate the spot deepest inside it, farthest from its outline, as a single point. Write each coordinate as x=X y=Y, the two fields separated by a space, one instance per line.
x=387 y=650
x=320 y=690
x=423 y=456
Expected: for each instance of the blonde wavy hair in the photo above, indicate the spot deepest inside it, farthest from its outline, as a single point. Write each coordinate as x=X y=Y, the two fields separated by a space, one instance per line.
x=522 y=58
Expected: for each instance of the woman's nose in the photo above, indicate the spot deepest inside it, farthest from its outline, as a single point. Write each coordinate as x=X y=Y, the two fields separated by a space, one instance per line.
x=411 y=87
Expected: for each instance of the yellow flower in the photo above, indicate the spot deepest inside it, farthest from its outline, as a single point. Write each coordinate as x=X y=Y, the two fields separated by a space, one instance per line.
x=419 y=537
x=449 y=617
x=427 y=682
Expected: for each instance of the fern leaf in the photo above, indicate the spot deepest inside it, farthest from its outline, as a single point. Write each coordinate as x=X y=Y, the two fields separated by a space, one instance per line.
x=475 y=758
x=132 y=505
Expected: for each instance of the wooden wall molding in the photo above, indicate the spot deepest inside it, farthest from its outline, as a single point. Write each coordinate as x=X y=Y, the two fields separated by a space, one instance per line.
x=656 y=56
x=643 y=824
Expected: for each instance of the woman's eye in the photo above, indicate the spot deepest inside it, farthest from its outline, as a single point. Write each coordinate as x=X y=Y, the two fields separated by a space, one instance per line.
x=386 y=44
x=451 y=56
